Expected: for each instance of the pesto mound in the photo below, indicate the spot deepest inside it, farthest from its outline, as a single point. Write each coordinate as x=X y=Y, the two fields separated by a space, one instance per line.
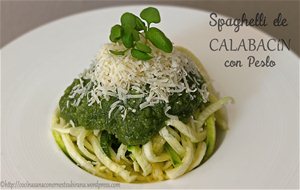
x=138 y=127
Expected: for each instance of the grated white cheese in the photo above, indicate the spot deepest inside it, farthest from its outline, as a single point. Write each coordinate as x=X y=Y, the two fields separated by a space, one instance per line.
x=112 y=107
x=125 y=78
x=169 y=115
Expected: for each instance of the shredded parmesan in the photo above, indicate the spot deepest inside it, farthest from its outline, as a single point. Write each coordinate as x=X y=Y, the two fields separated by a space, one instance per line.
x=169 y=115
x=124 y=77
x=112 y=107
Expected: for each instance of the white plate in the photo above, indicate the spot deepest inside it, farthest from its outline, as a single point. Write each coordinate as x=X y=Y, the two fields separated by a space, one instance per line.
x=260 y=149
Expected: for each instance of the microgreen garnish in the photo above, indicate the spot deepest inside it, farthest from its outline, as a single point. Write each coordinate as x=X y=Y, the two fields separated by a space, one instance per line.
x=159 y=40
x=150 y=15
x=115 y=33
x=117 y=52
x=143 y=47
x=140 y=55
x=136 y=36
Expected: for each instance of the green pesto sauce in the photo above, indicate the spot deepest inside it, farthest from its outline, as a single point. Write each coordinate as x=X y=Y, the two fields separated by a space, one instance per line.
x=137 y=128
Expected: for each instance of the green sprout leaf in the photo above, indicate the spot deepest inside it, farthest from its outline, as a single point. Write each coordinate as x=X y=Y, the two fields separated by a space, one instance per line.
x=128 y=20
x=127 y=39
x=115 y=33
x=159 y=39
x=150 y=15
x=140 y=55
x=143 y=47
x=140 y=25
x=115 y=52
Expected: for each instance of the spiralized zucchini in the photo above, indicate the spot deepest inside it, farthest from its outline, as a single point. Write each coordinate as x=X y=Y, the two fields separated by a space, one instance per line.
x=178 y=149
x=186 y=161
x=148 y=151
x=212 y=108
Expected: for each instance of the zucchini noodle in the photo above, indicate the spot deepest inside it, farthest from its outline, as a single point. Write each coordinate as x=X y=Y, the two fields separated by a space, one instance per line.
x=186 y=161
x=148 y=151
x=172 y=141
x=187 y=130
x=212 y=108
x=81 y=146
x=75 y=155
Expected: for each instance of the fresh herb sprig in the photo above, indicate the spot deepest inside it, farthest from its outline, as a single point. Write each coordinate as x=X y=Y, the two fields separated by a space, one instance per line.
x=132 y=29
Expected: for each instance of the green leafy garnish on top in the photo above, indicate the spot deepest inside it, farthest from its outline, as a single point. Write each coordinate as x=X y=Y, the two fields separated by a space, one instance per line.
x=150 y=15
x=137 y=37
